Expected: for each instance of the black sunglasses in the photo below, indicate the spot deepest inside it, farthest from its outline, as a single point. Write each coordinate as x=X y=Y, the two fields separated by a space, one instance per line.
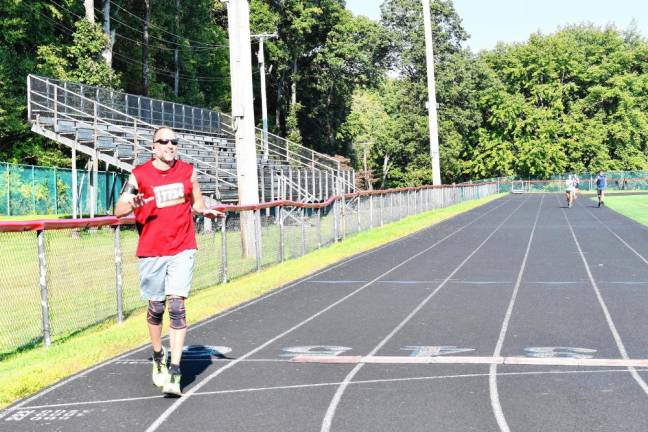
x=173 y=141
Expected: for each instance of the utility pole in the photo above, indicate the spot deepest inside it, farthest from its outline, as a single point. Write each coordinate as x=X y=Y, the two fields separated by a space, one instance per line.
x=238 y=22
x=432 y=105
x=264 y=103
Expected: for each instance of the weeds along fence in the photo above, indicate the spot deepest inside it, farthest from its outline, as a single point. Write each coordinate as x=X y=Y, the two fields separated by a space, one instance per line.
x=58 y=277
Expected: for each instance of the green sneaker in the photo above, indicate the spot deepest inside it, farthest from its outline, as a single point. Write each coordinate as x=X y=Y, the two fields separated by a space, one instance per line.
x=172 y=386
x=160 y=371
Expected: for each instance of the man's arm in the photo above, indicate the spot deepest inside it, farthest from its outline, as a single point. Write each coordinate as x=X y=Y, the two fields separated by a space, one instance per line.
x=129 y=200
x=197 y=201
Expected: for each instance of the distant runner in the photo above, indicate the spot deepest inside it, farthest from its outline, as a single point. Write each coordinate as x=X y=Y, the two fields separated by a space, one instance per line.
x=570 y=190
x=601 y=184
x=576 y=186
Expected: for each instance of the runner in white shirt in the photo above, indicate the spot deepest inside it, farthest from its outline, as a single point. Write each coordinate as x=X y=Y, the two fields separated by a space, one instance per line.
x=570 y=190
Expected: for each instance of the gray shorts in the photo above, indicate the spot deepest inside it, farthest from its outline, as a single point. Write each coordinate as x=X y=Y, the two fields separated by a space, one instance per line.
x=166 y=275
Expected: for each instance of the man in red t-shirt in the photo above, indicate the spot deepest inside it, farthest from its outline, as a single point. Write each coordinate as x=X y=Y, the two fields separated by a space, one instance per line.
x=163 y=193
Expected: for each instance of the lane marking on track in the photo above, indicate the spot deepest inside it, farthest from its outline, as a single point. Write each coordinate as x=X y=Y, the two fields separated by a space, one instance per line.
x=641 y=257
x=489 y=282
x=158 y=422
x=331 y=384
x=372 y=359
x=235 y=309
x=606 y=312
x=337 y=397
x=493 y=391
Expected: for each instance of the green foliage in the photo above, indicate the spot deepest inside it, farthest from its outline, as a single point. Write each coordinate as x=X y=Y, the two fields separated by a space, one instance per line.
x=571 y=101
x=342 y=84
x=81 y=61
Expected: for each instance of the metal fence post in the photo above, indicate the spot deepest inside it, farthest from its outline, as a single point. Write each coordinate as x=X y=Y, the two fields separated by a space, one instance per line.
x=416 y=198
x=224 y=249
x=336 y=222
x=382 y=205
x=8 y=189
x=33 y=192
x=343 y=215
x=303 y=231
x=358 y=212
x=319 y=228
x=119 y=281
x=42 y=269
x=257 y=237
x=282 y=254
x=371 y=212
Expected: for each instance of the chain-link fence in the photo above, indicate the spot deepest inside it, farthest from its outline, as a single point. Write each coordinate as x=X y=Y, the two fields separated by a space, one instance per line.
x=616 y=180
x=59 y=277
x=29 y=189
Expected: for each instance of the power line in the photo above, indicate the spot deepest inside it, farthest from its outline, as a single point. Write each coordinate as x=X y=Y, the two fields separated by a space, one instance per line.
x=166 y=31
x=141 y=32
x=171 y=73
x=131 y=60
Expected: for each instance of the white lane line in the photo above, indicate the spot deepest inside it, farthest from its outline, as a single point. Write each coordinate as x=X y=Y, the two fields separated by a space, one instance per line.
x=641 y=257
x=203 y=360
x=226 y=313
x=156 y=424
x=423 y=282
x=331 y=384
x=337 y=397
x=496 y=405
x=606 y=312
x=552 y=361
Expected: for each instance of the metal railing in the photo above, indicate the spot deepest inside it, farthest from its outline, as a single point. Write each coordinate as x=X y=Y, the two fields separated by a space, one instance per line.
x=60 y=111
x=133 y=112
x=49 y=293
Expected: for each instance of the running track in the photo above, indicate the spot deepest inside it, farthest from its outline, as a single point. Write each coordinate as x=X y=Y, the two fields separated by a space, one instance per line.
x=519 y=316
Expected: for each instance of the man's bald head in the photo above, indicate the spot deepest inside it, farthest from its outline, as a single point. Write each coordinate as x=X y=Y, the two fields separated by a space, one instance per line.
x=164 y=132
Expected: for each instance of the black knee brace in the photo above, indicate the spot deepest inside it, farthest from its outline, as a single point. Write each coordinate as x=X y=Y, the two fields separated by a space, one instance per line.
x=155 y=312
x=177 y=314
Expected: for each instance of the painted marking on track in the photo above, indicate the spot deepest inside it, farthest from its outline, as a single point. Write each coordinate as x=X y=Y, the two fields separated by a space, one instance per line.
x=335 y=401
x=471 y=360
x=314 y=350
x=165 y=415
x=433 y=351
x=47 y=415
x=147 y=362
x=553 y=352
x=329 y=384
x=223 y=315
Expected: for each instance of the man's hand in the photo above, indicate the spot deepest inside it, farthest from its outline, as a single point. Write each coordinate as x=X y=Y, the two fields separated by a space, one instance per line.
x=211 y=213
x=136 y=200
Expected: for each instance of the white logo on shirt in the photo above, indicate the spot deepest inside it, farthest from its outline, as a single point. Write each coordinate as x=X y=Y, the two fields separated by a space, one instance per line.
x=169 y=195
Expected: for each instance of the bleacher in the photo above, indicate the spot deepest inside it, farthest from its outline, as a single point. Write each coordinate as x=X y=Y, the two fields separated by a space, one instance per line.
x=117 y=128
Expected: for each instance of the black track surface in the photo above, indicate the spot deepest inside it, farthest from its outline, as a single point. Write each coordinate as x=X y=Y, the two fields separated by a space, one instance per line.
x=582 y=292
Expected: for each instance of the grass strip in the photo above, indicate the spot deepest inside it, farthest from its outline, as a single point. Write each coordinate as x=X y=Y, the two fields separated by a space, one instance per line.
x=633 y=206
x=27 y=372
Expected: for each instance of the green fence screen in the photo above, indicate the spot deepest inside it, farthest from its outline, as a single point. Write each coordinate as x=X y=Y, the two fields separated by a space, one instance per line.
x=36 y=190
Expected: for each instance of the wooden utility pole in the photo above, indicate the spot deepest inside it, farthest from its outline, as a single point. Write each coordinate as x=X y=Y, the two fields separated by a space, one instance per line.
x=238 y=13
x=145 y=47
x=110 y=33
x=176 y=54
x=264 y=103
x=89 y=10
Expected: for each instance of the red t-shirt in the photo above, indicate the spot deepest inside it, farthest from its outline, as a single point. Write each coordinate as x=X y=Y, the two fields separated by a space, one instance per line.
x=165 y=224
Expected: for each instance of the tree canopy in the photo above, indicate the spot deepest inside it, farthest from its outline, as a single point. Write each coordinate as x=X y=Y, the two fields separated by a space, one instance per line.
x=573 y=100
